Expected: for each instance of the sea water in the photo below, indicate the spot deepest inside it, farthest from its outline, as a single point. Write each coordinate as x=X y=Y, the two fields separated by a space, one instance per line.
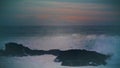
x=96 y=39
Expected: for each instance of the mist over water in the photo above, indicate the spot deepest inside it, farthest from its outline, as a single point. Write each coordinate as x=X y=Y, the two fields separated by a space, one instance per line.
x=106 y=42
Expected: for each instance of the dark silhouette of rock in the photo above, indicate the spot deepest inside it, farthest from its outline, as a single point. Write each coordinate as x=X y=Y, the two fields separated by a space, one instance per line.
x=75 y=57
x=35 y=52
x=81 y=58
x=15 y=49
x=54 y=52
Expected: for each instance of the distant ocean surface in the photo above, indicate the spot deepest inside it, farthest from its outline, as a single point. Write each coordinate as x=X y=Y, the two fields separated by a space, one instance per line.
x=56 y=30
x=102 y=39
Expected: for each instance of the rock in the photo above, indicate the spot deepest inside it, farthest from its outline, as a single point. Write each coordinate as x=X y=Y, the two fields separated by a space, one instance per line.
x=36 y=52
x=15 y=49
x=81 y=58
x=75 y=57
x=54 y=52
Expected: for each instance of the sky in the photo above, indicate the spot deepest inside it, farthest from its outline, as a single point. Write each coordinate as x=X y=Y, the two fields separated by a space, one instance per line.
x=59 y=12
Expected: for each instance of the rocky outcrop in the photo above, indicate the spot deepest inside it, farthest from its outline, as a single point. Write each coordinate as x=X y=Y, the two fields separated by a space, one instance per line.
x=75 y=57
x=14 y=49
x=54 y=52
x=81 y=58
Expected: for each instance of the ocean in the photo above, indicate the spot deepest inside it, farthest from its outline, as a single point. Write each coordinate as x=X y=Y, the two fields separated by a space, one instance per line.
x=102 y=39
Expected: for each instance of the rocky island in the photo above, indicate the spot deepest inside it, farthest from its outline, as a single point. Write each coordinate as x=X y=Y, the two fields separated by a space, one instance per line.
x=73 y=57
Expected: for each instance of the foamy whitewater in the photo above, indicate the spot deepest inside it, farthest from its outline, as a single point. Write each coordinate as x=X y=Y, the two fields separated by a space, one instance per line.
x=106 y=44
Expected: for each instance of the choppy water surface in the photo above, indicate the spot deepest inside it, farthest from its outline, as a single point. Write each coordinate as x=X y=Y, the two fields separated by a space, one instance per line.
x=104 y=42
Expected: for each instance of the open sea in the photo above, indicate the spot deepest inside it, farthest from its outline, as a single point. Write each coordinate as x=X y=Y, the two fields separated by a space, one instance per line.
x=102 y=39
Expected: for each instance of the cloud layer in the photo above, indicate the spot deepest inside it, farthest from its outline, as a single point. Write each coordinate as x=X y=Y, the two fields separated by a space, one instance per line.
x=63 y=12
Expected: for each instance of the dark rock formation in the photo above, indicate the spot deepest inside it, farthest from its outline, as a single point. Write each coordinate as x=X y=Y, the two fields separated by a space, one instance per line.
x=81 y=58
x=54 y=52
x=14 y=49
x=68 y=58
